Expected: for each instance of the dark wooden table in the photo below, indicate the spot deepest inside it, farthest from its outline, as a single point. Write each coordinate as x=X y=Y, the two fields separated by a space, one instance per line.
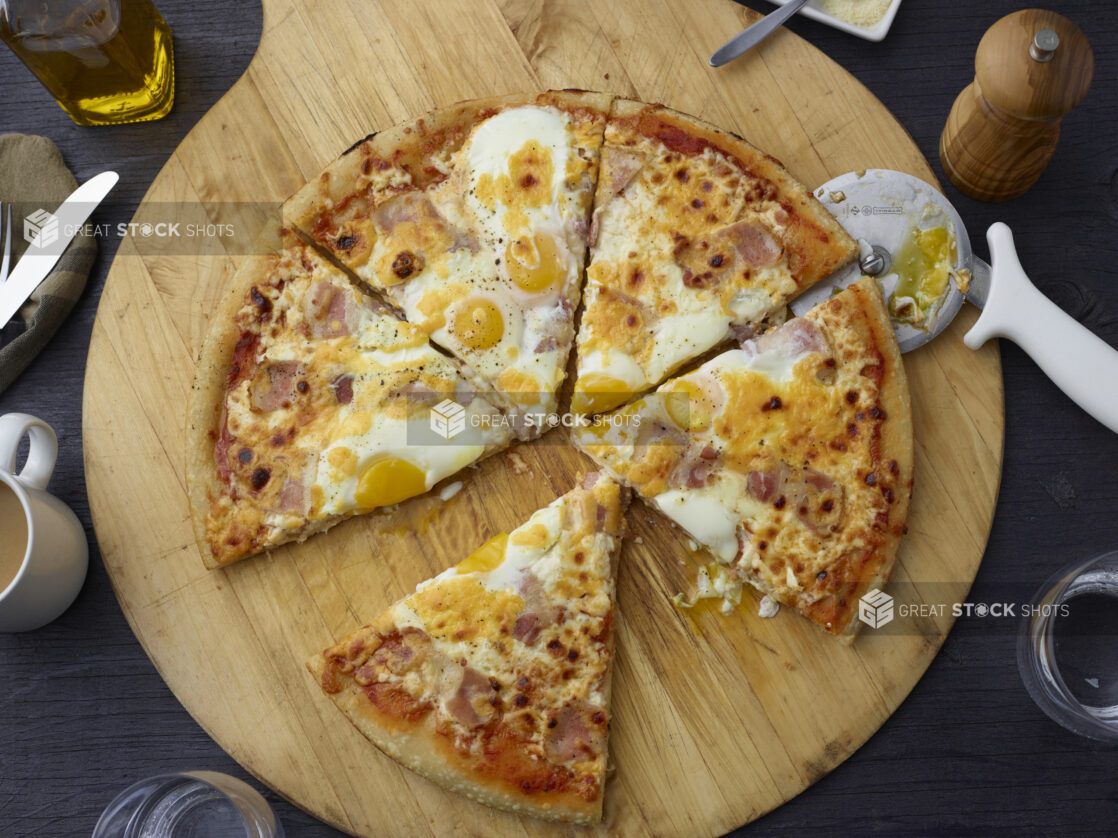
x=83 y=713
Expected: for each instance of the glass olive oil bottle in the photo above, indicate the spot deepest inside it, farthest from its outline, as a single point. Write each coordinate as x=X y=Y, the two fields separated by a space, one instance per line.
x=106 y=62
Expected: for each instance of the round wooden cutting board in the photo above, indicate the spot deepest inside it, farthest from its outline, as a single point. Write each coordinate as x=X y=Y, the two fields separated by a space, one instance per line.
x=716 y=719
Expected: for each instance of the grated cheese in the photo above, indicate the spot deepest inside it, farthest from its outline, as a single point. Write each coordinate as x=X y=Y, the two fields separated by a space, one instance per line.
x=857 y=12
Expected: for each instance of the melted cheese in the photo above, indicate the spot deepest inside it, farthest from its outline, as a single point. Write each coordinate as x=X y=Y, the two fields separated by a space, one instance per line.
x=492 y=259
x=461 y=609
x=341 y=439
x=673 y=206
x=783 y=418
x=556 y=562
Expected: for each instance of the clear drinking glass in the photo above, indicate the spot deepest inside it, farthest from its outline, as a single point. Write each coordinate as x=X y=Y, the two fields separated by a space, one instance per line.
x=1067 y=649
x=191 y=804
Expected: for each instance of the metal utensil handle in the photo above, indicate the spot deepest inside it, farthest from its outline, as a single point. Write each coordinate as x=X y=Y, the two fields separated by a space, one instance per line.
x=1079 y=362
x=42 y=256
x=753 y=35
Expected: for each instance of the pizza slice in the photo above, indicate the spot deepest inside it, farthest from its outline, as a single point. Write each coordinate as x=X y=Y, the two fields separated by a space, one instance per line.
x=472 y=221
x=696 y=237
x=312 y=403
x=789 y=459
x=493 y=678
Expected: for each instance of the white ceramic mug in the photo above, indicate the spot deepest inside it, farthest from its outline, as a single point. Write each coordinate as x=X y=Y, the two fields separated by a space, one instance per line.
x=43 y=551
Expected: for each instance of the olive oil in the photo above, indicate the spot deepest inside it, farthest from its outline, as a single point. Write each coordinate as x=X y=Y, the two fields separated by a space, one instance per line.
x=106 y=62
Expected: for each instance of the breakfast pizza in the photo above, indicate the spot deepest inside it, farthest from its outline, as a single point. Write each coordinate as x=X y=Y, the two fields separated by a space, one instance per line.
x=493 y=678
x=789 y=459
x=434 y=271
x=696 y=237
x=472 y=222
x=309 y=405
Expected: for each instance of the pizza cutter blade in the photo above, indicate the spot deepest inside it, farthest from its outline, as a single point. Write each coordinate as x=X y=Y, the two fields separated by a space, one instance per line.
x=899 y=222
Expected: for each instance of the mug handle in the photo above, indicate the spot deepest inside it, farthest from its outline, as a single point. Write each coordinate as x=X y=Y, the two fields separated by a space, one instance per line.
x=41 y=457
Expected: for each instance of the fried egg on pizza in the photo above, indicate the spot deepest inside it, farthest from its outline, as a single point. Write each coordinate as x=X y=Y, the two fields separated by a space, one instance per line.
x=493 y=678
x=696 y=237
x=789 y=459
x=312 y=403
x=473 y=224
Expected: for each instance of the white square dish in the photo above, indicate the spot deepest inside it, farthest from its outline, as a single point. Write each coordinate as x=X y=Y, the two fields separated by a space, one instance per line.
x=875 y=32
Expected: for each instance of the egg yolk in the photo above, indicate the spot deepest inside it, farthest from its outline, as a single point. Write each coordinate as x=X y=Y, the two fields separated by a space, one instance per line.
x=687 y=406
x=597 y=391
x=486 y=557
x=478 y=324
x=535 y=263
x=923 y=264
x=387 y=481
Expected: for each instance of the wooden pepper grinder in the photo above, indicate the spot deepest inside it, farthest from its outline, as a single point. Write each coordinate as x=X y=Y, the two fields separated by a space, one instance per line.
x=1031 y=68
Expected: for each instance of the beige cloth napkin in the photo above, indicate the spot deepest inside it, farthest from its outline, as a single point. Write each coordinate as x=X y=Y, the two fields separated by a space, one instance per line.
x=33 y=176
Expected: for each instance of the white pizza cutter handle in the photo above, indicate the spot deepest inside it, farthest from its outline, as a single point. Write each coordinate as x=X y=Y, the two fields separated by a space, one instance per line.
x=1079 y=362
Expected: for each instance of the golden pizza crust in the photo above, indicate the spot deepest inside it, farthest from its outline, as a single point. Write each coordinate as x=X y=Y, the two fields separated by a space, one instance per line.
x=864 y=310
x=387 y=211
x=859 y=321
x=697 y=237
x=232 y=519
x=207 y=397
x=410 y=147
x=820 y=243
x=836 y=437
x=416 y=747
x=391 y=682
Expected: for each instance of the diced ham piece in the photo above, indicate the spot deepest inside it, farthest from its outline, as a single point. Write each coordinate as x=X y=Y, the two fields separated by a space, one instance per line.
x=342 y=386
x=416 y=208
x=527 y=629
x=818 y=480
x=815 y=499
x=413 y=207
x=742 y=331
x=576 y=732
x=293 y=497
x=694 y=468
x=796 y=338
x=467 y=705
x=328 y=309
x=725 y=252
x=273 y=386
x=618 y=168
x=403 y=652
x=657 y=433
x=763 y=484
x=539 y=613
x=418 y=392
x=756 y=245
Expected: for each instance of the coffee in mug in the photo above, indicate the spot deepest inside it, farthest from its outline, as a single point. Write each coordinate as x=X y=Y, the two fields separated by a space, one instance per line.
x=43 y=550
x=13 y=535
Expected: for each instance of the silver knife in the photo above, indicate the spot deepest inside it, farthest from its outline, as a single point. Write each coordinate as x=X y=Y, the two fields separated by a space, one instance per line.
x=45 y=250
x=755 y=33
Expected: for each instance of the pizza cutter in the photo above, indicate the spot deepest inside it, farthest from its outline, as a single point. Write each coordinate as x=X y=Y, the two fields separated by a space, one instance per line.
x=913 y=240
